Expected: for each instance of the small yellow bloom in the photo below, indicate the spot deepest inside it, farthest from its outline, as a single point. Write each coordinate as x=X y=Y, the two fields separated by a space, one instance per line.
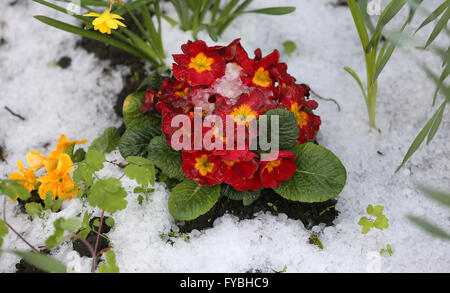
x=201 y=63
x=300 y=115
x=59 y=181
x=51 y=161
x=262 y=78
x=203 y=166
x=243 y=115
x=106 y=21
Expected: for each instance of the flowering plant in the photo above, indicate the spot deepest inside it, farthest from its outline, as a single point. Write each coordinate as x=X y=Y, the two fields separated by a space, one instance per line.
x=215 y=114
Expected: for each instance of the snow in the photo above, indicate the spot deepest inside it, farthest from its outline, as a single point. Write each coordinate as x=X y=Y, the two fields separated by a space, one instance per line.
x=78 y=101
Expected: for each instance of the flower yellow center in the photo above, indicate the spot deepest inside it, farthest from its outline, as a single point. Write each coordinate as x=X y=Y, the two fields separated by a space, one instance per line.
x=183 y=93
x=243 y=115
x=201 y=63
x=272 y=165
x=203 y=166
x=262 y=78
x=300 y=116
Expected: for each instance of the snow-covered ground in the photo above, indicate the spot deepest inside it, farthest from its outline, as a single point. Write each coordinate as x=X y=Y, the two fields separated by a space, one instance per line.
x=78 y=101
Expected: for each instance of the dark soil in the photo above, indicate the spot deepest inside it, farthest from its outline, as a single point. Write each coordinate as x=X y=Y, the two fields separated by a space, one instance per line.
x=103 y=243
x=24 y=267
x=310 y=214
x=64 y=62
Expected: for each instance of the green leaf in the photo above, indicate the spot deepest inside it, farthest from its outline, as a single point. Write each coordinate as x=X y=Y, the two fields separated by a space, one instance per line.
x=132 y=116
x=441 y=24
x=134 y=142
x=273 y=10
x=110 y=265
x=381 y=222
x=429 y=227
x=79 y=156
x=358 y=80
x=359 y=23
x=95 y=36
x=13 y=189
x=375 y=211
x=84 y=173
x=418 y=141
x=152 y=81
x=288 y=130
x=33 y=209
x=436 y=123
x=231 y=193
x=289 y=47
x=320 y=175
x=439 y=196
x=249 y=197
x=100 y=195
x=95 y=159
x=108 y=141
x=188 y=200
x=3 y=232
x=142 y=175
x=109 y=222
x=366 y=225
x=435 y=14
x=165 y=158
x=42 y=262
x=70 y=225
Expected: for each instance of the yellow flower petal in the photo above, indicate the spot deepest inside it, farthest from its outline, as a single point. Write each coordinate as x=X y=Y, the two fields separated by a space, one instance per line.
x=35 y=160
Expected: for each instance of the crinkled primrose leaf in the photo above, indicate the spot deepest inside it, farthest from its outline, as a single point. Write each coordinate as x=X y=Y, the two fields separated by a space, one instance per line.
x=188 y=200
x=108 y=141
x=165 y=158
x=320 y=175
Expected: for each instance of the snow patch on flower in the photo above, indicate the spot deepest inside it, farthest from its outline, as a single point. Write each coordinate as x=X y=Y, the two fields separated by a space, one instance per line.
x=230 y=85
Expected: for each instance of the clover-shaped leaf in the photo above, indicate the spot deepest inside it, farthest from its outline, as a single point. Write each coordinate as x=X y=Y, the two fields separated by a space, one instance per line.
x=378 y=220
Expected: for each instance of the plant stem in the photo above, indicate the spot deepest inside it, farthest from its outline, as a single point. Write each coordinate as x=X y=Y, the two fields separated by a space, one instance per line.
x=371 y=103
x=14 y=231
x=94 y=258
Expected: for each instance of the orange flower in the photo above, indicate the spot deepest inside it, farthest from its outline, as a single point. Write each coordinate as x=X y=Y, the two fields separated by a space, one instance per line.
x=59 y=181
x=24 y=175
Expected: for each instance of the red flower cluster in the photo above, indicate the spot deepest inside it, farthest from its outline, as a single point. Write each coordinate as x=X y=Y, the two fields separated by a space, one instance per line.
x=224 y=81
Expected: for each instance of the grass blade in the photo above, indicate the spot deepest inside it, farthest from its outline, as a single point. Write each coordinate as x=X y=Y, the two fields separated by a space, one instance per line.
x=439 y=196
x=359 y=23
x=429 y=227
x=274 y=10
x=90 y=34
x=435 y=14
x=358 y=80
x=418 y=141
x=436 y=122
x=439 y=27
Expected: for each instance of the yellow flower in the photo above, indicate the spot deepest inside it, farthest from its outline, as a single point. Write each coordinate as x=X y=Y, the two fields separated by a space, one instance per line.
x=203 y=166
x=262 y=78
x=106 y=21
x=51 y=161
x=24 y=175
x=35 y=160
x=201 y=63
x=243 y=115
x=59 y=181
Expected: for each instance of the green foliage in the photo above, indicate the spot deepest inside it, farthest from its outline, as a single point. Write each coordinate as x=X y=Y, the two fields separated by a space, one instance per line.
x=287 y=131
x=314 y=239
x=289 y=47
x=188 y=200
x=61 y=225
x=165 y=158
x=3 y=231
x=85 y=228
x=52 y=204
x=247 y=197
x=192 y=14
x=376 y=56
x=153 y=81
x=135 y=142
x=109 y=222
x=386 y=252
x=444 y=199
x=108 y=195
x=110 y=265
x=95 y=160
x=444 y=10
x=378 y=220
x=132 y=116
x=142 y=170
x=34 y=209
x=107 y=142
x=250 y=196
x=147 y=46
x=320 y=175
x=42 y=262
x=12 y=189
